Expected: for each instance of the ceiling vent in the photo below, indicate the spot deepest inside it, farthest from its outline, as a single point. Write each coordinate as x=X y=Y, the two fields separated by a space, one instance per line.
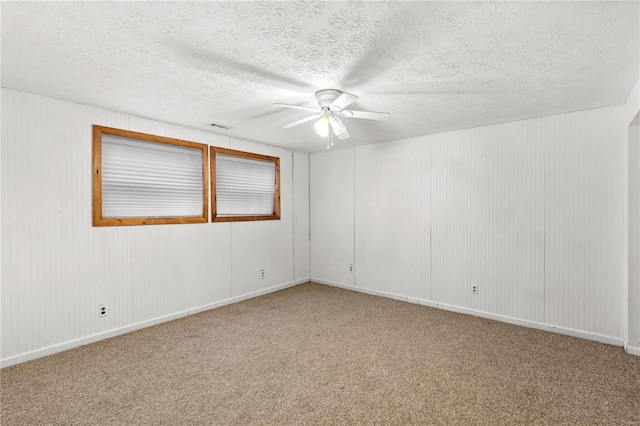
x=219 y=126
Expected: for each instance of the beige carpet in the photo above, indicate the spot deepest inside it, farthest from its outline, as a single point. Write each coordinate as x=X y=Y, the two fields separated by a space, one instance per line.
x=319 y=355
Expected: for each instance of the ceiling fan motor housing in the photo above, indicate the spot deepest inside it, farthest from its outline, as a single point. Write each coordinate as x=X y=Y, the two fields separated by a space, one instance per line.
x=327 y=96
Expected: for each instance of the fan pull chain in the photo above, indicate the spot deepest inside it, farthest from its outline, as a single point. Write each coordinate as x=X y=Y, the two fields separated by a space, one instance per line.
x=330 y=140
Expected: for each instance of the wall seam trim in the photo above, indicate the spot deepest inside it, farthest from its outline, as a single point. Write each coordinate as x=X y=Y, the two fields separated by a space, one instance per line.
x=355 y=267
x=293 y=213
x=130 y=234
x=544 y=227
x=430 y=256
x=231 y=256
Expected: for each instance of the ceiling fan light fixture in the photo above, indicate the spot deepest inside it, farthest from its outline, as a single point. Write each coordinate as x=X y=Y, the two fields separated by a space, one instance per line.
x=337 y=125
x=322 y=126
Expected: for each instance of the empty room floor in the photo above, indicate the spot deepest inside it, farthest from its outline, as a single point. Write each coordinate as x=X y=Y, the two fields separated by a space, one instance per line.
x=314 y=354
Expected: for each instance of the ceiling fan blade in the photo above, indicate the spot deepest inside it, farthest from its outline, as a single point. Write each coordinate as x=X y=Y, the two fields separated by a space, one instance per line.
x=369 y=115
x=441 y=91
x=342 y=101
x=344 y=135
x=298 y=107
x=304 y=120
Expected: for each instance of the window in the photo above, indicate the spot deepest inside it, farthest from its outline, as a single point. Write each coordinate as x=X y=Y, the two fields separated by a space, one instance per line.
x=244 y=186
x=141 y=179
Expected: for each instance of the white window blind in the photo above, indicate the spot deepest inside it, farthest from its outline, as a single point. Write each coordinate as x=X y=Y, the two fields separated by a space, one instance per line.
x=244 y=187
x=148 y=179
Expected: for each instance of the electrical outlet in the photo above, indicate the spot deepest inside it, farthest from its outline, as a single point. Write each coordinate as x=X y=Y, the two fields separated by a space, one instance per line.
x=262 y=275
x=351 y=267
x=474 y=288
x=102 y=310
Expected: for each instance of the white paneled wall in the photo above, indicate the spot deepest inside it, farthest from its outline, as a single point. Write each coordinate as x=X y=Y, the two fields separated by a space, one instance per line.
x=331 y=204
x=301 y=219
x=488 y=219
x=584 y=220
x=632 y=218
x=57 y=268
x=529 y=211
x=264 y=245
x=48 y=244
x=393 y=224
x=633 y=297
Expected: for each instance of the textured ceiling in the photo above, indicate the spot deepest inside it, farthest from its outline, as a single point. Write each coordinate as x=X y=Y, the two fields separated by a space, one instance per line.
x=434 y=66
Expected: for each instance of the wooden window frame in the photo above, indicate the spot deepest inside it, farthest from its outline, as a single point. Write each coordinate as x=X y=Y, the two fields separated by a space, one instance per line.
x=247 y=155
x=99 y=220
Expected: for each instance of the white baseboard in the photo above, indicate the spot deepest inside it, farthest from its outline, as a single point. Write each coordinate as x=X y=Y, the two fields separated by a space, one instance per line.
x=60 y=347
x=616 y=341
x=377 y=293
x=50 y=350
x=610 y=340
x=240 y=298
x=633 y=350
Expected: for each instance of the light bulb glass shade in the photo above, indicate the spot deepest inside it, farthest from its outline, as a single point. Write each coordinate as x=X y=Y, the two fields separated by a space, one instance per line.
x=322 y=126
x=337 y=125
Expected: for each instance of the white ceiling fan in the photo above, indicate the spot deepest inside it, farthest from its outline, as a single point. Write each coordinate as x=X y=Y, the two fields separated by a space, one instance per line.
x=331 y=104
